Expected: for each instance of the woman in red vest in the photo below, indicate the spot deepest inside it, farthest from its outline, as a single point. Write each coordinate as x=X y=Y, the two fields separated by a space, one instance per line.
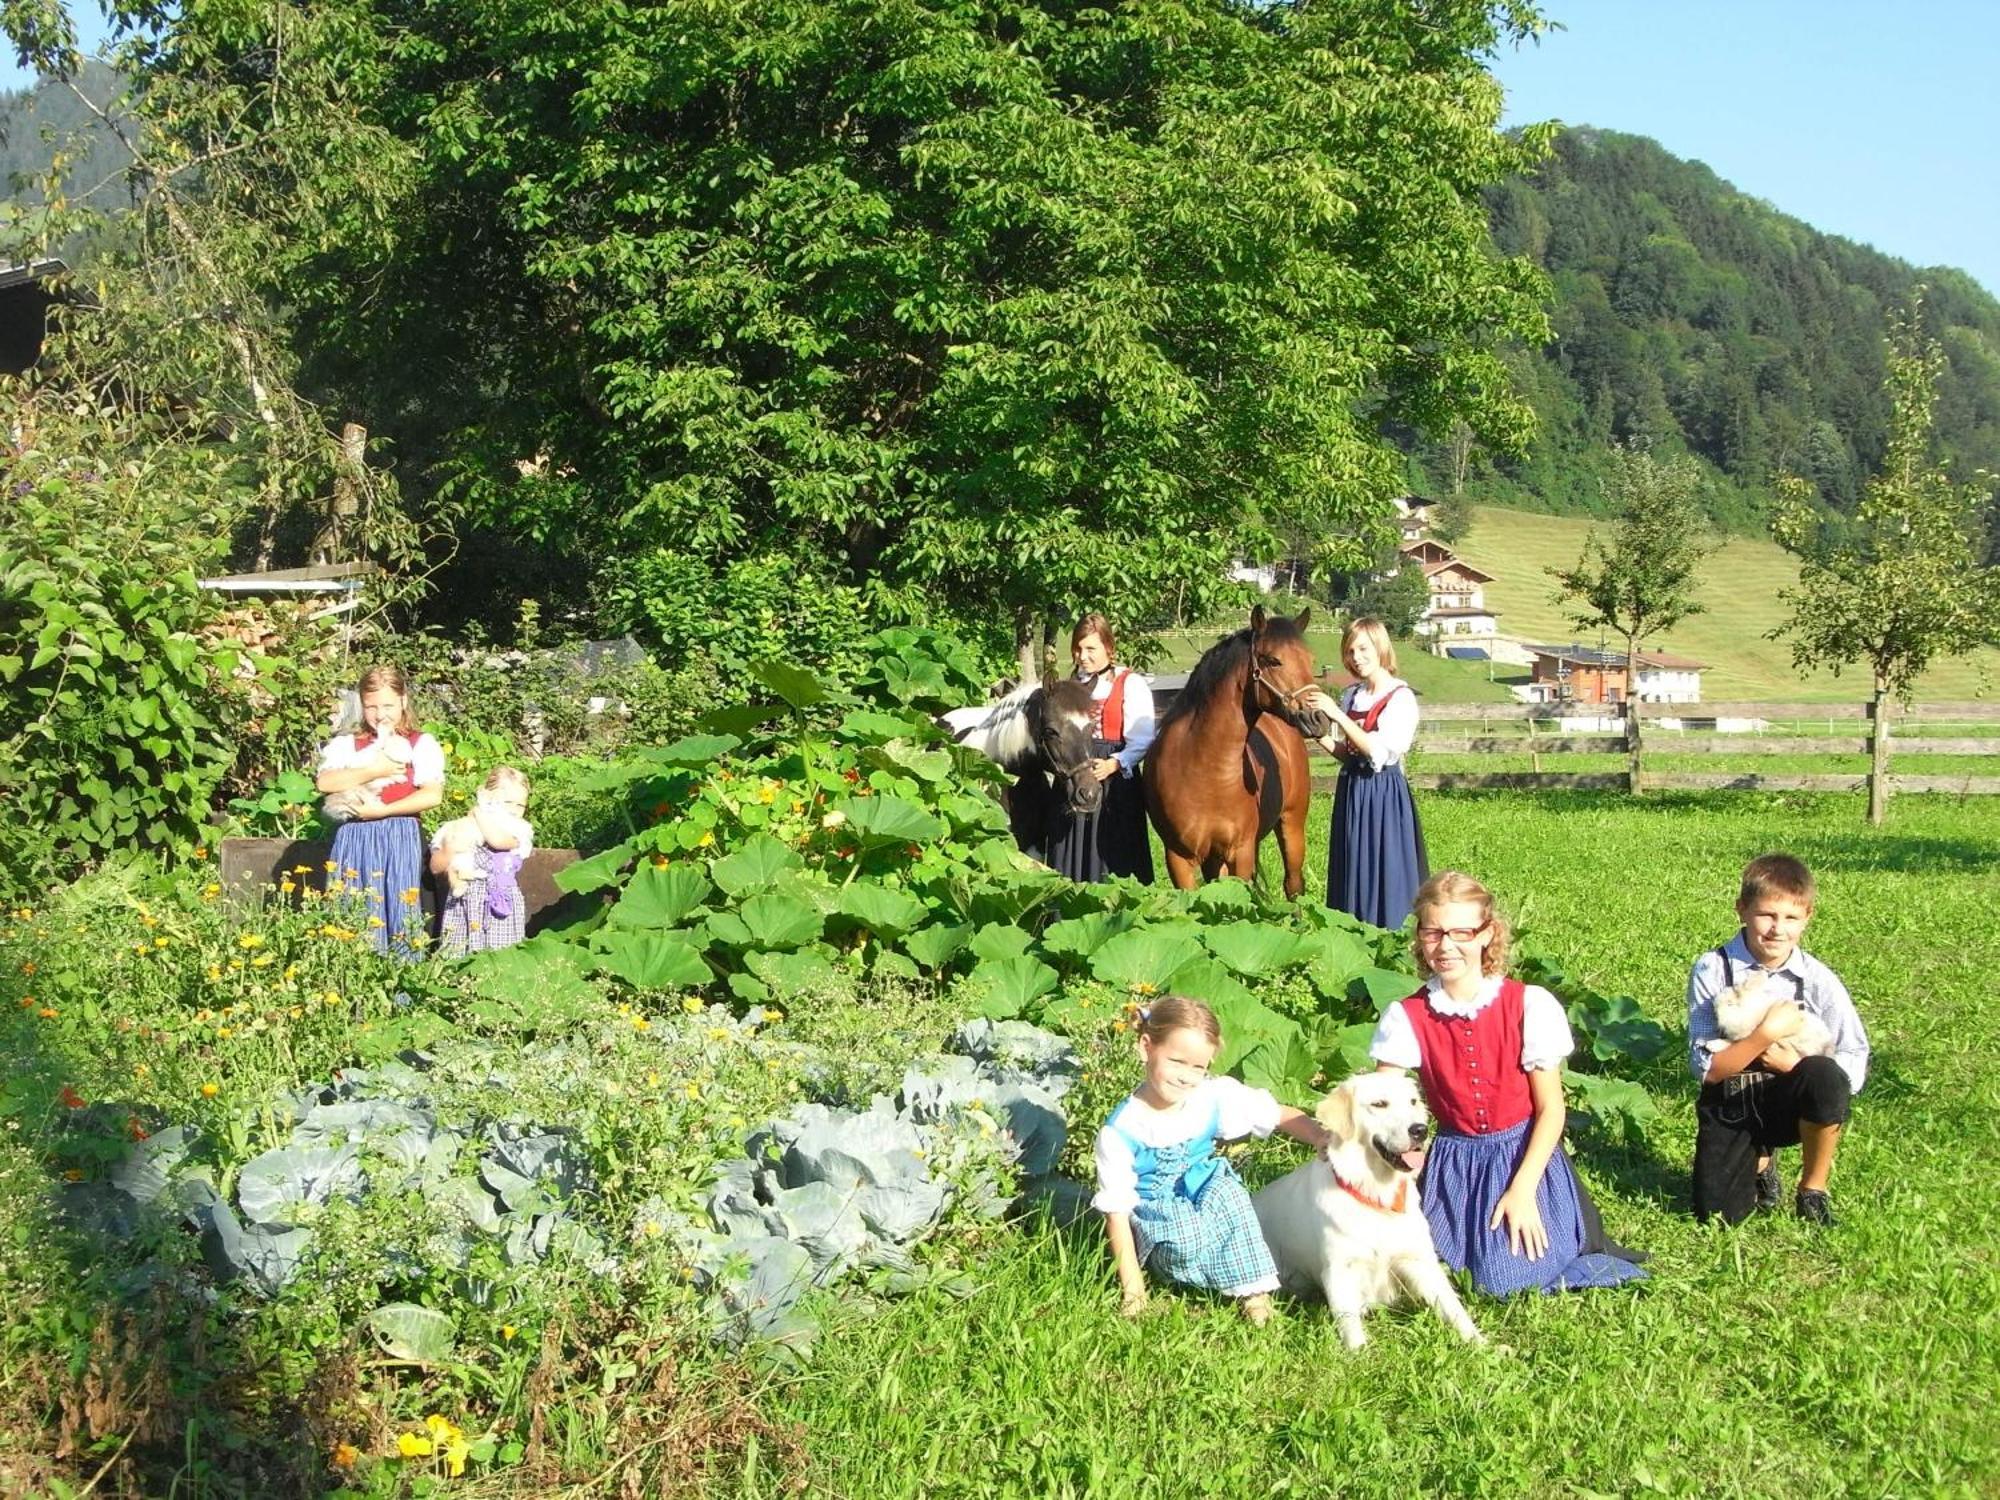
x=1113 y=840
x=1375 y=855
x=1498 y=1189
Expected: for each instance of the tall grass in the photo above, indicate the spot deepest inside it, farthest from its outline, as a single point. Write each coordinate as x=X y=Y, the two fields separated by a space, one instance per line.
x=1773 y=1360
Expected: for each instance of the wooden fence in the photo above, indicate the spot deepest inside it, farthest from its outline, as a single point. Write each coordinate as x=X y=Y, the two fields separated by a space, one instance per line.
x=1532 y=730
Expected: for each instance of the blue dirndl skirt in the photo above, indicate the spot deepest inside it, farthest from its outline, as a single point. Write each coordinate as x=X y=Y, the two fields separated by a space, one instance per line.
x=1375 y=858
x=1467 y=1174
x=380 y=864
x=1212 y=1240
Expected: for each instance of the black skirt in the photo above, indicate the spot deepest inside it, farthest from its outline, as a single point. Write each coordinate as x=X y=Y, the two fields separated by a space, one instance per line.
x=1090 y=847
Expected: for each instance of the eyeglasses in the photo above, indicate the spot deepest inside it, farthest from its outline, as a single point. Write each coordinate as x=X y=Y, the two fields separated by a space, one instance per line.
x=1433 y=935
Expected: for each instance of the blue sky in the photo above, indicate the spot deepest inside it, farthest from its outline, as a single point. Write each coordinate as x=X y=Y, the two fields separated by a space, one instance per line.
x=1880 y=123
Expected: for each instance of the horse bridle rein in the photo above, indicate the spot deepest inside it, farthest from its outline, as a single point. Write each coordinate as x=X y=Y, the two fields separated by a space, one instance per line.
x=1288 y=705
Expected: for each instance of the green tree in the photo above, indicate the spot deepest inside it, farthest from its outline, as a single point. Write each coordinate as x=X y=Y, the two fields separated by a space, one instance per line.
x=1641 y=584
x=984 y=310
x=1904 y=582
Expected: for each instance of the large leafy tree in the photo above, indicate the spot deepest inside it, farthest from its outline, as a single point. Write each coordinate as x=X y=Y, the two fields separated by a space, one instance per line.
x=1905 y=583
x=987 y=309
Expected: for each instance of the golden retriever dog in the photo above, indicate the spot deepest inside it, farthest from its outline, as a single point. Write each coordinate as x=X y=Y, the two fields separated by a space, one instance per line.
x=1349 y=1227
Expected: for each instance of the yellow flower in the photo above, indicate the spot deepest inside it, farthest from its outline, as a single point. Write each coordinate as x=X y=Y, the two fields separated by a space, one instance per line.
x=332 y=865
x=767 y=795
x=694 y=1091
x=412 y=1446
x=302 y=869
x=455 y=1455
x=640 y=1023
x=691 y=1004
x=377 y=922
x=441 y=1428
x=707 y=838
x=147 y=919
x=718 y=1033
x=162 y=942
x=140 y=1070
x=201 y=851
x=287 y=886
x=262 y=961
x=652 y=1080
x=224 y=1033
x=47 y=1012
x=331 y=997
x=291 y=971
x=774 y=1015
x=235 y=963
x=250 y=940
x=294 y=1011
x=652 y=1230
x=209 y=1091
x=210 y=891
x=409 y=897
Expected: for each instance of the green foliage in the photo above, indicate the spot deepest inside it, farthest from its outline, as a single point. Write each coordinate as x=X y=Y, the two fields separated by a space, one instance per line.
x=1642 y=584
x=1907 y=582
x=107 y=732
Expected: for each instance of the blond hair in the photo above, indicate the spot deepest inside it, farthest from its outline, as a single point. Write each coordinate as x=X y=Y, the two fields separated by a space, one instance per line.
x=1171 y=1013
x=1377 y=635
x=505 y=776
x=383 y=675
x=1452 y=885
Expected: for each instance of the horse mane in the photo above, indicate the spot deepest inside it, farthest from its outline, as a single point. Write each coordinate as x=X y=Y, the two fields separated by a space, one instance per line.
x=1221 y=662
x=1003 y=732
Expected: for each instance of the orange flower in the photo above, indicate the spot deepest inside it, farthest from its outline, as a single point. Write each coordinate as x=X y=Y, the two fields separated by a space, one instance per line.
x=28 y=968
x=47 y=1012
x=345 y=1455
x=209 y=1091
x=70 y=1098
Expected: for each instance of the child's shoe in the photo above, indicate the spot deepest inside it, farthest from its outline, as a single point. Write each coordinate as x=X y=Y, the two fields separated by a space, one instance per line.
x=1814 y=1206
x=1769 y=1188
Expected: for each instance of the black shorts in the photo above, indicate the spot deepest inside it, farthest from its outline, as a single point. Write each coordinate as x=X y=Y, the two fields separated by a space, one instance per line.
x=1753 y=1114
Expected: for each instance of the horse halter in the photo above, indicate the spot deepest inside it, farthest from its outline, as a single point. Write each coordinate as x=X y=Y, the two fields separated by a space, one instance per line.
x=1288 y=706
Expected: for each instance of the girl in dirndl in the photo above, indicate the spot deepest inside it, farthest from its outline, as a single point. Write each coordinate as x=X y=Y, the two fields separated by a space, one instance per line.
x=1499 y=1192
x=1375 y=857
x=1088 y=847
x=378 y=852
x=1170 y=1204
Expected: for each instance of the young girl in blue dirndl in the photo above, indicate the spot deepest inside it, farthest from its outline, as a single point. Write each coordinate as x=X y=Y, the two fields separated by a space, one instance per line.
x=1499 y=1192
x=378 y=852
x=1170 y=1203
x=1375 y=856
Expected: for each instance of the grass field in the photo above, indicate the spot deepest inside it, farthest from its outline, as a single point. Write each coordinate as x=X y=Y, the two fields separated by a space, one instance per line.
x=1739 y=592
x=1436 y=678
x=1775 y=1360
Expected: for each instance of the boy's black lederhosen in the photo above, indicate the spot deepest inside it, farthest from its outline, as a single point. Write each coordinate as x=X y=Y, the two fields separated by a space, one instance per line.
x=1755 y=1112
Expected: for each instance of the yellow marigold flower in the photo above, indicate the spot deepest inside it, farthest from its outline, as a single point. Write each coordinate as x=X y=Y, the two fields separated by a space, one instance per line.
x=47 y=1012
x=287 y=886
x=28 y=968
x=209 y=1090
x=412 y=1446
x=691 y=1004
x=377 y=922
x=409 y=897
x=74 y=1174
x=345 y=1456
x=640 y=1023
x=250 y=940
x=201 y=851
x=203 y=1014
x=506 y=1330
x=162 y=942
x=262 y=961
x=27 y=1002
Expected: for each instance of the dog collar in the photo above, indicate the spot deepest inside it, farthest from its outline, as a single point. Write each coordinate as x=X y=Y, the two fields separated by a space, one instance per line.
x=1402 y=1195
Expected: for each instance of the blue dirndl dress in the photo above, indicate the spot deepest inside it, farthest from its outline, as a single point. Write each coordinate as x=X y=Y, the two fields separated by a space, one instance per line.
x=379 y=862
x=1466 y=1175
x=1194 y=1223
x=1375 y=857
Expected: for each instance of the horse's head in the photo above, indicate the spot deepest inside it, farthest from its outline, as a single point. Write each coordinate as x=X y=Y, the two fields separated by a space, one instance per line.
x=1282 y=671
x=1063 y=736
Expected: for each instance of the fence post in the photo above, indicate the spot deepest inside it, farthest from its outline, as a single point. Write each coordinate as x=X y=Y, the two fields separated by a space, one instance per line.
x=1878 y=758
x=1635 y=769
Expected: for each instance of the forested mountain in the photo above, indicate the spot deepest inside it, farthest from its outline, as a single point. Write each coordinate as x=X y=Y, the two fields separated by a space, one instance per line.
x=37 y=123
x=1691 y=315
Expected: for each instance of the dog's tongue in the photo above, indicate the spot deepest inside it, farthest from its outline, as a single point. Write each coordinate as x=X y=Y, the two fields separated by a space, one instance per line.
x=1412 y=1161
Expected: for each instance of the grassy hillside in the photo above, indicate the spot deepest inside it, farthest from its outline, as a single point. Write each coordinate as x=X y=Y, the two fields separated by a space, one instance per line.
x=1435 y=678
x=1740 y=594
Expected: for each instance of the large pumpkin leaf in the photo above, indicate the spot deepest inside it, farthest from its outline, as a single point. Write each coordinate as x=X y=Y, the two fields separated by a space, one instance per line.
x=694 y=751
x=738 y=718
x=596 y=872
x=1622 y=1107
x=887 y=819
x=886 y=913
x=873 y=726
x=653 y=960
x=1382 y=987
x=1283 y=1063
x=405 y=1330
x=1254 y=947
x=1336 y=955
x=1227 y=894
x=753 y=865
x=1145 y=956
x=1007 y=986
x=925 y=765
x=776 y=921
x=795 y=685
x=1001 y=940
x=660 y=896
x=1202 y=978
x=788 y=974
x=1349 y=1053
x=936 y=946
x=1082 y=936
x=543 y=971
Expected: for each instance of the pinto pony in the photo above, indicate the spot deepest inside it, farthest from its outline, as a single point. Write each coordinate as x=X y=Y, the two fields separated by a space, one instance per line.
x=1039 y=733
x=1228 y=765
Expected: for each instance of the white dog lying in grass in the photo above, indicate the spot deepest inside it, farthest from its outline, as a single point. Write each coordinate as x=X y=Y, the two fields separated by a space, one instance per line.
x=1349 y=1227
x=1740 y=1009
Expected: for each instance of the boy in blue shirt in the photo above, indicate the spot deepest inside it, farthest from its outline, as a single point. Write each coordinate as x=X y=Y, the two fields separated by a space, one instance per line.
x=1759 y=1094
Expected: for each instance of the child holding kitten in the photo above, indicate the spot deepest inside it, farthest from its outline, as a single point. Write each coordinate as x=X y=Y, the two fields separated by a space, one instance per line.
x=480 y=855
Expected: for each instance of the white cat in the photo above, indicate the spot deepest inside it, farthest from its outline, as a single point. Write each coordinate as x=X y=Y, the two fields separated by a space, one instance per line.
x=1739 y=1010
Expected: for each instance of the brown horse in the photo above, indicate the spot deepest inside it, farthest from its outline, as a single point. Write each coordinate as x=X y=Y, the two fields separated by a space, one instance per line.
x=1228 y=766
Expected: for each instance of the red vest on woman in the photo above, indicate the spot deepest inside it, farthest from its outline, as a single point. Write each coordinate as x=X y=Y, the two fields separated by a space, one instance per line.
x=1471 y=1068
x=1111 y=709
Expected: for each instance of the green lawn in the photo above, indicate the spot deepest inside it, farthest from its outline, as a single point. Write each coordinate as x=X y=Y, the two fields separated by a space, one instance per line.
x=1739 y=593
x=1774 y=1360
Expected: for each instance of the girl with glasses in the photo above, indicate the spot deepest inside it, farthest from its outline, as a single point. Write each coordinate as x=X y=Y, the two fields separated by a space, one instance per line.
x=1501 y=1196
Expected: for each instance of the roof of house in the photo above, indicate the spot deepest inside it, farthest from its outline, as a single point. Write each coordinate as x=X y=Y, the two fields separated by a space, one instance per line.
x=1446 y=614
x=1476 y=575
x=1590 y=656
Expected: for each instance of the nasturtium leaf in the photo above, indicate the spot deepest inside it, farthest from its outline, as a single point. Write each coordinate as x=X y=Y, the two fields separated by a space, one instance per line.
x=408 y=1331
x=775 y=921
x=1254 y=947
x=1007 y=986
x=754 y=864
x=889 y=819
x=659 y=896
x=1145 y=956
x=1001 y=940
x=1383 y=987
x=795 y=685
x=653 y=960
x=885 y=912
x=936 y=946
x=598 y=871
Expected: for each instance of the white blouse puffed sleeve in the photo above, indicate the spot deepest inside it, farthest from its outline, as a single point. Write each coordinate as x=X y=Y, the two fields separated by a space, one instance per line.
x=1395 y=1040
x=427 y=761
x=1545 y=1033
x=1242 y=1110
x=1396 y=730
x=1117 y=1174
x=338 y=754
x=1140 y=724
